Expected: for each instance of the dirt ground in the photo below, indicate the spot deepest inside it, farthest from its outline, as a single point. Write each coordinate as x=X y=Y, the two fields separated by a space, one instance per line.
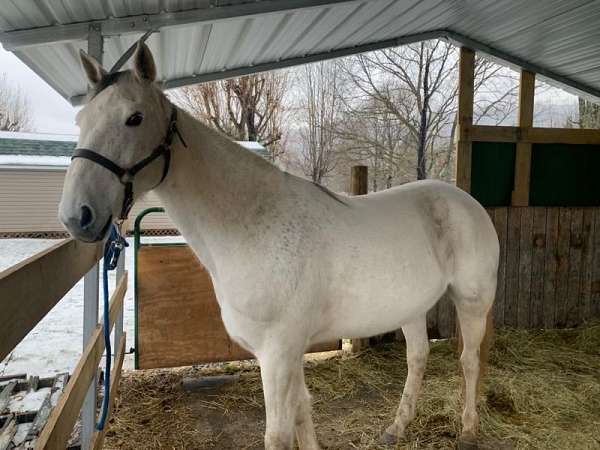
x=542 y=392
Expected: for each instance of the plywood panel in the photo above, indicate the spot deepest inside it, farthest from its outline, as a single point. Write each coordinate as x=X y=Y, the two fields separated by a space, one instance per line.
x=179 y=320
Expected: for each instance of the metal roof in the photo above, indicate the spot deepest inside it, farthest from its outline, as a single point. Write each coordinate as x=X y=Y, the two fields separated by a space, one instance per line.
x=32 y=144
x=202 y=40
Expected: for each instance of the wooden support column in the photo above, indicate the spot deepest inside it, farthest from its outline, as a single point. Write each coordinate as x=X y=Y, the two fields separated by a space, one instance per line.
x=465 y=118
x=520 y=194
x=359 y=180
x=359 y=185
x=464 y=150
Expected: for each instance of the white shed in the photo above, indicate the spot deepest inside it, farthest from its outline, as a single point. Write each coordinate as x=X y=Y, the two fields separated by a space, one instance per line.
x=32 y=172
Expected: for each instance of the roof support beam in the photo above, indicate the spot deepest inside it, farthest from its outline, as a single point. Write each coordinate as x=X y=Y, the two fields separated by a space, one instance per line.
x=19 y=39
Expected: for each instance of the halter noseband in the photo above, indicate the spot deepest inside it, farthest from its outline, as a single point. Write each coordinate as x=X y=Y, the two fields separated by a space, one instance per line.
x=126 y=176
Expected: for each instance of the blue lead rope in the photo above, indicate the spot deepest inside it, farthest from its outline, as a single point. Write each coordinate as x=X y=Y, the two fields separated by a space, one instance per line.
x=112 y=250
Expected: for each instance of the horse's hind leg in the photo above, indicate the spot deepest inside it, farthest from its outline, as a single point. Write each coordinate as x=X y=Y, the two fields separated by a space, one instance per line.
x=417 y=350
x=472 y=316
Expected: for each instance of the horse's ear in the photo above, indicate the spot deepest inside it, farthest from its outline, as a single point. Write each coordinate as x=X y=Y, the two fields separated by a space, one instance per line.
x=143 y=63
x=92 y=68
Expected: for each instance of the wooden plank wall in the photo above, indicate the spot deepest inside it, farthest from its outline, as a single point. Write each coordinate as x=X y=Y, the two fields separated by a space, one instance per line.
x=549 y=275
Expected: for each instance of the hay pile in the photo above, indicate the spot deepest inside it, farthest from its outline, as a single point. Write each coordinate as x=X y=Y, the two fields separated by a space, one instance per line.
x=542 y=392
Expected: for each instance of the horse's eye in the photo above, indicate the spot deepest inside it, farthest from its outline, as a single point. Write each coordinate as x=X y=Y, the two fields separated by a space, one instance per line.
x=135 y=119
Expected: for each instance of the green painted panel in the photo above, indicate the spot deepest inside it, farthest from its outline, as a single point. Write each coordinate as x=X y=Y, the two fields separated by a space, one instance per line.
x=565 y=175
x=492 y=172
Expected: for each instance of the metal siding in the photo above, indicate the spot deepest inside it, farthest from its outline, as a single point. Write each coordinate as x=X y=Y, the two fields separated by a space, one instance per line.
x=556 y=35
x=29 y=202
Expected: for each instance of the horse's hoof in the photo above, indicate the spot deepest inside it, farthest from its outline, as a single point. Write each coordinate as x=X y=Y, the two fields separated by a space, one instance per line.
x=388 y=438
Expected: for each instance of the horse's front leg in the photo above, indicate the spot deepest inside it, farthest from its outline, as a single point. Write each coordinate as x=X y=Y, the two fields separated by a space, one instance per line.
x=281 y=373
x=305 y=430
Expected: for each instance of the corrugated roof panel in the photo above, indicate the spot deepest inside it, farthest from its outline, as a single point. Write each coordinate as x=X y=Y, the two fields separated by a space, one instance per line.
x=559 y=38
x=332 y=20
x=416 y=20
x=221 y=43
x=364 y=20
x=262 y=33
x=297 y=24
x=393 y=14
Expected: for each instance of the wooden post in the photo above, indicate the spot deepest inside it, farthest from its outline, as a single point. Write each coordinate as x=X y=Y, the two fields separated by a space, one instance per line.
x=359 y=185
x=359 y=180
x=464 y=150
x=520 y=194
x=466 y=77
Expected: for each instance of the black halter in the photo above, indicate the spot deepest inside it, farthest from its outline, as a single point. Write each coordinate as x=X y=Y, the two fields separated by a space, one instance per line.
x=126 y=176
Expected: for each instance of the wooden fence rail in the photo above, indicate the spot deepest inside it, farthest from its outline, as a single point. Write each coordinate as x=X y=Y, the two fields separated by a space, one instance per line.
x=549 y=274
x=30 y=289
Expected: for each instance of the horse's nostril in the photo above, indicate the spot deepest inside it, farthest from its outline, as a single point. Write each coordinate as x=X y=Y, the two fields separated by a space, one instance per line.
x=87 y=216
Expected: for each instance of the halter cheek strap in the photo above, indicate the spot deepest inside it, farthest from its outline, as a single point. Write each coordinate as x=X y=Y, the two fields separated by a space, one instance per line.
x=126 y=176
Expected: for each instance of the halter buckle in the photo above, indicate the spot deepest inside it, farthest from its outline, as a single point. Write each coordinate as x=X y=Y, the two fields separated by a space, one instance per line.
x=126 y=178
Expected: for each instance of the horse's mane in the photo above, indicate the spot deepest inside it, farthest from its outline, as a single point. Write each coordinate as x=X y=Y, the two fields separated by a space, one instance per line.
x=330 y=193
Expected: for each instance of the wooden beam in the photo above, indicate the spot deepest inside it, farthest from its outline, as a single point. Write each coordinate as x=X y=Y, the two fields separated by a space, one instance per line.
x=58 y=429
x=30 y=289
x=115 y=377
x=563 y=136
x=487 y=133
x=465 y=117
x=520 y=194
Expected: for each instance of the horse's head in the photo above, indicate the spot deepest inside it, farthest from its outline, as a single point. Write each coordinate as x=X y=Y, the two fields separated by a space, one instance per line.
x=121 y=151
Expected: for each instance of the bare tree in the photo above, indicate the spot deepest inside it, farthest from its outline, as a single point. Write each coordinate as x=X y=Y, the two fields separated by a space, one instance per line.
x=249 y=108
x=318 y=114
x=416 y=86
x=15 y=114
x=589 y=114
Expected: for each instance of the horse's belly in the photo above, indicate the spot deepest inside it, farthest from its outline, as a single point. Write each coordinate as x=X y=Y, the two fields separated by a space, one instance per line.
x=375 y=302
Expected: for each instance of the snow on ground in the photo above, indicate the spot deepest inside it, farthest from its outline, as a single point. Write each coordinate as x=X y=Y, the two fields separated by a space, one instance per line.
x=56 y=343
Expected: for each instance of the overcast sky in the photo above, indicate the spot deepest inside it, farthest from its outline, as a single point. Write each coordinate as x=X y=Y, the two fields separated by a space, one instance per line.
x=51 y=113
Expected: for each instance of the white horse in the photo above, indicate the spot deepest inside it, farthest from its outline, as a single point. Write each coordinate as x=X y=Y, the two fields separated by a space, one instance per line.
x=292 y=263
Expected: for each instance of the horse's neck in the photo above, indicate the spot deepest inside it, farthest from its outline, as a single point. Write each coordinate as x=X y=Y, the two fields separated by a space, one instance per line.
x=213 y=190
